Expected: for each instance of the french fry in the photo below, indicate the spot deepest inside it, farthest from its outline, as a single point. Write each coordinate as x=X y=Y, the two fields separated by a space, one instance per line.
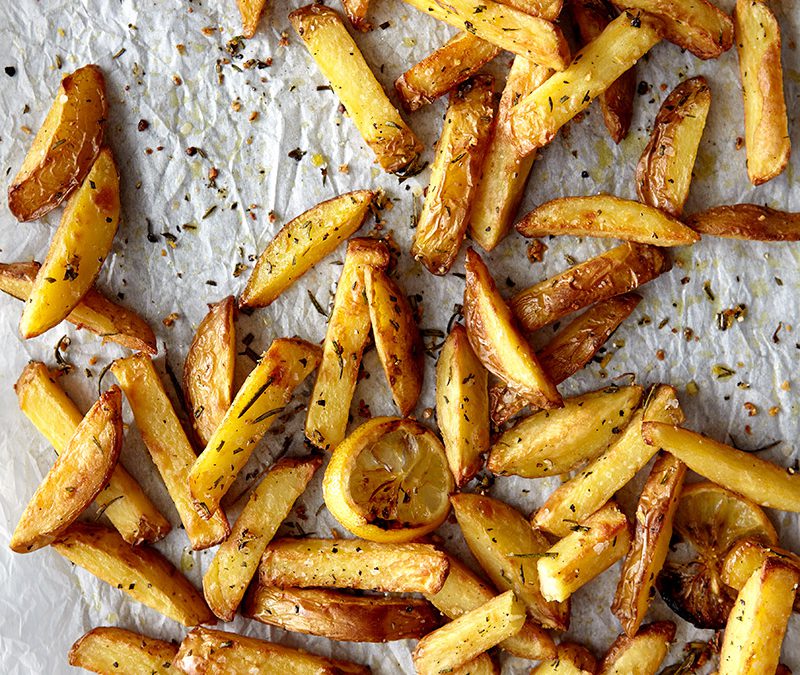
x=506 y=546
x=539 y=116
x=251 y=11
x=553 y=442
x=77 y=477
x=760 y=481
x=236 y=561
x=546 y=9
x=454 y=62
x=654 y=517
x=597 y=482
x=606 y=216
x=456 y=171
x=664 y=172
x=347 y=335
x=262 y=397
x=641 y=653
x=141 y=572
x=353 y=563
x=470 y=635
x=747 y=556
x=619 y=270
x=107 y=650
x=751 y=222
x=766 y=126
x=56 y=417
x=302 y=243
x=167 y=444
x=95 y=312
x=341 y=62
x=356 y=11
x=482 y=665
x=77 y=251
x=572 y=659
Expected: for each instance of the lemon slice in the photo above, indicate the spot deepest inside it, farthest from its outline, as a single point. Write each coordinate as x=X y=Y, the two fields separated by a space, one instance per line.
x=389 y=481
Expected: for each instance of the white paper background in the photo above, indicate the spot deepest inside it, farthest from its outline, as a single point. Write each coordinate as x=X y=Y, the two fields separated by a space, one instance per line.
x=46 y=603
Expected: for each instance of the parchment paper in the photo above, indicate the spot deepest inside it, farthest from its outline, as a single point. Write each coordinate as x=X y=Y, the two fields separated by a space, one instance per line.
x=192 y=98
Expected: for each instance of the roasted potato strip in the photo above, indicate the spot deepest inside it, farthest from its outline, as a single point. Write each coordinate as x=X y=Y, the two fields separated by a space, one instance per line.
x=356 y=11
x=107 y=650
x=251 y=11
x=747 y=221
x=641 y=653
x=302 y=243
x=65 y=147
x=546 y=9
x=746 y=556
x=455 y=174
x=169 y=448
x=572 y=659
x=141 y=572
x=482 y=665
x=664 y=172
x=341 y=62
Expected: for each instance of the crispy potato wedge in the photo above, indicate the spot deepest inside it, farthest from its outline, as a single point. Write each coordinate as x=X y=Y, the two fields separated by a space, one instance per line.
x=77 y=251
x=654 y=517
x=236 y=561
x=167 y=444
x=597 y=482
x=757 y=624
x=65 y=147
x=470 y=635
x=81 y=471
x=347 y=335
x=606 y=216
x=619 y=270
x=206 y=652
x=302 y=243
x=454 y=62
x=506 y=546
x=251 y=11
x=455 y=174
x=141 y=572
x=353 y=563
x=553 y=442
x=747 y=221
x=546 y=9
x=664 y=172
x=56 y=417
x=209 y=368
x=482 y=665
x=746 y=556
x=504 y=173
x=756 y=479
x=397 y=338
x=261 y=398
x=572 y=659
x=497 y=341
x=356 y=11
x=107 y=650
x=341 y=616
x=539 y=116
x=642 y=653
x=341 y=62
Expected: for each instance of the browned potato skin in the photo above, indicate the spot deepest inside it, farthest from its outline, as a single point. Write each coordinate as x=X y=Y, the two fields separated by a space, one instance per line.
x=750 y=222
x=65 y=146
x=659 y=629
x=341 y=616
x=356 y=11
x=105 y=648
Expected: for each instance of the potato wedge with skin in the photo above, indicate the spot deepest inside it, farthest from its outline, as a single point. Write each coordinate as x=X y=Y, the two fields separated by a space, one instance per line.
x=539 y=116
x=554 y=442
x=751 y=222
x=341 y=62
x=572 y=659
x=619 y=270
x=167 y=444
x=507 y=547
x=107 y=650
x=347 y=335
x=353 y=563
x=655 y=514
x=261 y=398
x=341 y=616
x=77 y=477
x=302 y=243
x=664 y=172
x=497 y=341
x=140 y=571
x=209 y=368
x=455 y=174
x=642 y=653
x=469 y=636
x=454 y=62
x=597 y=482
x=77 y=251
x=356 y=11
x=65 y=147
x=251 y=11
x=762 y=482
x=236 y=560
x=746 y=556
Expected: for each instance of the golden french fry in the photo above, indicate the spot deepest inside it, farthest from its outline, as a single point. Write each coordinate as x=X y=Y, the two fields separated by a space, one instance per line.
x=572 y=659
x=746 y=556
x=751 y=222
x=641 y=653
x=251 y=11
x=546 y=9
x=107 y=650
x=356 y=11
x=482 y=665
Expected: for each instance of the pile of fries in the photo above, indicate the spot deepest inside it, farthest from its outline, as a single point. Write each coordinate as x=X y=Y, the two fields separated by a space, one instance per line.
x=392 y=481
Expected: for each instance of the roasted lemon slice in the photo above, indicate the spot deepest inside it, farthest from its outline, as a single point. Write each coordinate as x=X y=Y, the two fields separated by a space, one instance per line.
x=389 y=481
x=709 y=521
